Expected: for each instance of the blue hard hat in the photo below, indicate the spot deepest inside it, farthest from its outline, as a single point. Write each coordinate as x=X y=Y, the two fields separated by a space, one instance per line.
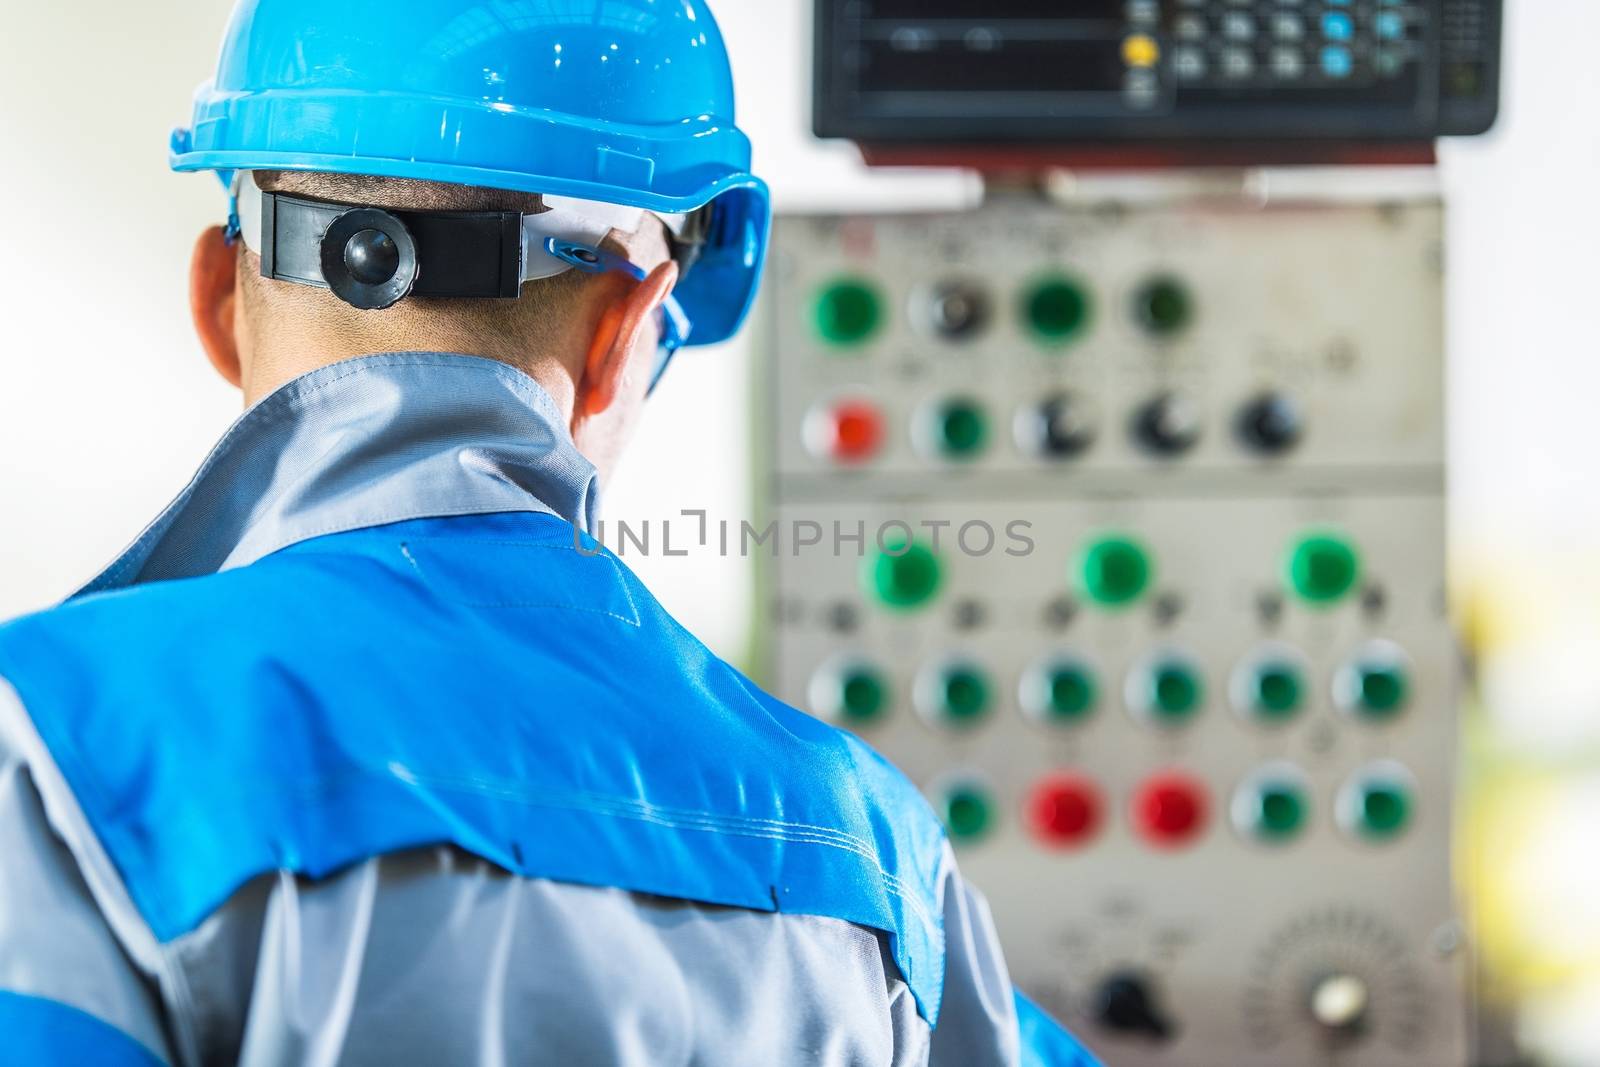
x=623 y=101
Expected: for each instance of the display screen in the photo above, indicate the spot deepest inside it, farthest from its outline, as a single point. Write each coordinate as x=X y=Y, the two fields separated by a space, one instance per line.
x=1056 y=11
x=1067 y=66
x=954 y=70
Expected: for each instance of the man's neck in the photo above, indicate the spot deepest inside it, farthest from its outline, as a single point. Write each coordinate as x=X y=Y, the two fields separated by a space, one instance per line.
x=275 y=366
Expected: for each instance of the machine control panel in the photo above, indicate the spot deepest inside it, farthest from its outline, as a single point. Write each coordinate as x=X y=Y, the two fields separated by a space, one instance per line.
x=954 y=71
x=1131 y=556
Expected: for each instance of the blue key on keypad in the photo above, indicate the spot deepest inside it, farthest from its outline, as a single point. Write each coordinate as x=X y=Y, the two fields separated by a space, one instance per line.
x=1336 y=62
x=1338 y=26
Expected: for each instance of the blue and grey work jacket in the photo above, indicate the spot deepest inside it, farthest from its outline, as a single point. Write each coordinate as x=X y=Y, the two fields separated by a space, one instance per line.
x=354 y=758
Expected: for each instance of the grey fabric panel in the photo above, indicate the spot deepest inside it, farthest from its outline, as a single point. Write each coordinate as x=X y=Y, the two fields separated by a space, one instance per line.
x=436 y=957
x=54 y=942
x=978 y=1019
x=365 y=442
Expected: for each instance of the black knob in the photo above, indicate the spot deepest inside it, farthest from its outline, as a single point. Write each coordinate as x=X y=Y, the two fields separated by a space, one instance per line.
x=1270 y=424
x=1061 y=427
x=372 y=257
x=958 y=311
x=369 y=258
x=1125 y=1003
x=1168 y=425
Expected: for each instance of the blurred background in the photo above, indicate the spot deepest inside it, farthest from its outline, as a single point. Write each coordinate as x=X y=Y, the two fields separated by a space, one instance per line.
x=107 y=404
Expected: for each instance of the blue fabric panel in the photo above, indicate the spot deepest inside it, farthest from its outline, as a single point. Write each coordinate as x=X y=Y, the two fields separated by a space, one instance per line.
x=1045 y=1042
x=35 y=1032
x=475 y=681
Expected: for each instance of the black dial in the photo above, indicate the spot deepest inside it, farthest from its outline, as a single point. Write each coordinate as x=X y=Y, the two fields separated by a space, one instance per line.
x=1168 y=425
x=1270 y=424
x=1126 y=1002
x=1061 y=427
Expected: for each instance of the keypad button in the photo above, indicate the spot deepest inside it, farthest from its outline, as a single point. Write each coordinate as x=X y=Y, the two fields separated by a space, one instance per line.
x=1189 y=27
x=1238 y=63
x=1287 y=63
x=1337 y=62
x=1190 y=64
x=1338 y=26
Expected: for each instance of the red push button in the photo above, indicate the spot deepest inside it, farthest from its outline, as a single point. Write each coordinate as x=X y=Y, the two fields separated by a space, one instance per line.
x=1064 y=811
x=1170 y=810
x=849 y=431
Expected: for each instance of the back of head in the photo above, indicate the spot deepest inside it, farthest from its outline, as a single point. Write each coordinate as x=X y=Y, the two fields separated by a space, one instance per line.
x=544 y=327
x=557 y=114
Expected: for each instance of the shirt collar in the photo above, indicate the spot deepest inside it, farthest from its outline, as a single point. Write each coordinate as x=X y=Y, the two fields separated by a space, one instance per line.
x=367 y=442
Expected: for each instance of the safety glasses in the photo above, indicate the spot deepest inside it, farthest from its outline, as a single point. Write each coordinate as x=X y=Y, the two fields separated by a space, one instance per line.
x=672 y=323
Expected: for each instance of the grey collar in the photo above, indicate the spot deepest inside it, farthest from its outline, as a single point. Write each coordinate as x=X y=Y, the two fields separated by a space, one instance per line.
x=366 y=442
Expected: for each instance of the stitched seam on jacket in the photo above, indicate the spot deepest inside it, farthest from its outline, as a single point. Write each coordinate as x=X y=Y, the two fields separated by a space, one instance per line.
x=635 y=810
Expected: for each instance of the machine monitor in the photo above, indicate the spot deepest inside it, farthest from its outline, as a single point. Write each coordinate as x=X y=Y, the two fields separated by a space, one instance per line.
x=952 y=72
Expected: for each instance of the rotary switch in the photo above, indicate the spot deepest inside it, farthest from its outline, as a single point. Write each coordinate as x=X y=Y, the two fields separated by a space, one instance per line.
x=1168 y=425
x=1339 y=1003
x=1062 y=426
x=1127 y=1004
x=1270 y=424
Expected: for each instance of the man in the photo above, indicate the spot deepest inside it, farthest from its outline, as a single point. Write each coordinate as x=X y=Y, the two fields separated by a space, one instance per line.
x=354 y=757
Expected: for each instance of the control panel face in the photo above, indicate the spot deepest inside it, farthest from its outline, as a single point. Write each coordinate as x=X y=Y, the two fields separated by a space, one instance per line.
x=1119 y=528
x=953 y=71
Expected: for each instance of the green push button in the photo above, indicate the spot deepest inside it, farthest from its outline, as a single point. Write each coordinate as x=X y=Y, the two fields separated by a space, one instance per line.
x=902 y=576
x=863 y=696
x=1380 y=690
x=963 y=695
x=1277 y=691
x=1385 y=808
x=1071 y=694
x=961 y=429
x=1057 y=310
x=1163 y=306
x=1175 y=693
x=1280 y=811
x=848 y=312
x=1323 y=568
x=968 y=813
x=1115 y=571
x=1061 y=692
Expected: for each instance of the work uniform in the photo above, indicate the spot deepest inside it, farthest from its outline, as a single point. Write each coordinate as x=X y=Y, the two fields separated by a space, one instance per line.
x=366 y=753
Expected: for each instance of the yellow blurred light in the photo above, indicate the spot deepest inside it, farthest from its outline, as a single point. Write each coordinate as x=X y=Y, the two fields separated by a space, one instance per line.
x=1141 y=50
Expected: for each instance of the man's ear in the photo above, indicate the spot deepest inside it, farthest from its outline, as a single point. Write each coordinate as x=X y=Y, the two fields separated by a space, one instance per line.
x=621 y=327
x=213 y=278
